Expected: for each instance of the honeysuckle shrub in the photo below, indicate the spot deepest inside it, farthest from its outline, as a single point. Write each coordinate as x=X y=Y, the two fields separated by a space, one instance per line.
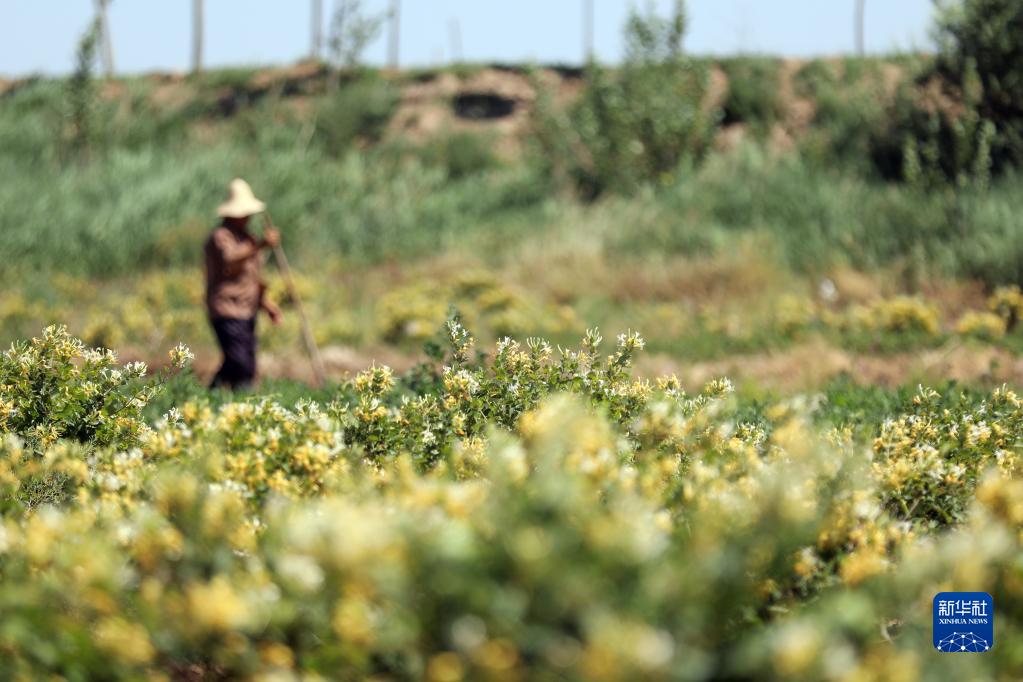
x=436 y=417
x=562 y=521
x=928 y=461
x=55 y=388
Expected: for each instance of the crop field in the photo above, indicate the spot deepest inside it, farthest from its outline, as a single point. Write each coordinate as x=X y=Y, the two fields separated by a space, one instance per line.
x=680 y=369
x=536 y=514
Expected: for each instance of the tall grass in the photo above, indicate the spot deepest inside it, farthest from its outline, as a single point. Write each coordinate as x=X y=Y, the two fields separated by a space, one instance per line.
x=147 y=198
x=150 y=205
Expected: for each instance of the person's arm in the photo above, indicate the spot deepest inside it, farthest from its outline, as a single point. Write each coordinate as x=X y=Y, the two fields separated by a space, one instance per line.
x=272 y=311
x=268 y=306
x=232 y=252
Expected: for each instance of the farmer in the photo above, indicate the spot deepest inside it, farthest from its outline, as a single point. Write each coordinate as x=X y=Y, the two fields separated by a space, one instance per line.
x=235 y=293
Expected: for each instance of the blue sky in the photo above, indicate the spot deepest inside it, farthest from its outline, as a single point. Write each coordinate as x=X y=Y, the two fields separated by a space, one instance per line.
x=38 y=36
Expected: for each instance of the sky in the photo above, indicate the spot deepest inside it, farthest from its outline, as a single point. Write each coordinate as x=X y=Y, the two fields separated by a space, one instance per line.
x=39 y=36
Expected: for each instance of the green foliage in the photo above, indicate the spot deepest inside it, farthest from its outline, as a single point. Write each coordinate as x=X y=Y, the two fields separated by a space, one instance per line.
x=360 y=205
x=622 y=531
x=848 y=403
x=461 y=154
x=980 y=50
x=753 y=92
x=54 y=388
x=149 y=204
x=818 y=216
x=351 y=32
x=935 y=481
x=81 y=99
x=229 y=79
x=815 y=77
x=963 y=118
x=472 y=396
x=47 y=396
x=636 y=125
x=932 y=138
x=337 y=191
x=849 y=112
x=358 y=113
x=651 y=38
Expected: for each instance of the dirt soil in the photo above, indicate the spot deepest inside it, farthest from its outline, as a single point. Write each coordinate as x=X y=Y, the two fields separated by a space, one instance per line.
x=807 y=367
x=801 y=368
x=427 y=107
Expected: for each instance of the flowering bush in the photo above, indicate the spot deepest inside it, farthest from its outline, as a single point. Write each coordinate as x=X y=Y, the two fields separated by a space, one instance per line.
x=900 y=315
x=792 y=315
x=413 y=312
x=1007 y=303
x=53 y=388
x=535 y=513
x=981 y=325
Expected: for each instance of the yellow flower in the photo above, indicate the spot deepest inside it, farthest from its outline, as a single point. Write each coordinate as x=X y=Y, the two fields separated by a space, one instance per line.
x=277 y=655
x=216 y=606
x=981 y=325
x=795 y=650
x=445 y=667
x=125 y=641
x=353 y=621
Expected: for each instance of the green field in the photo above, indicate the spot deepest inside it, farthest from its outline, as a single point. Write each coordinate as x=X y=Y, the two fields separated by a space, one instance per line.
x=802 y=425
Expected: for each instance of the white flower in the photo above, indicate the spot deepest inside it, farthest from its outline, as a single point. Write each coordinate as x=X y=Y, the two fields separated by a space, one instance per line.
x=301 y=570
x=138 y=369
x=111 y=483
x=180 y=356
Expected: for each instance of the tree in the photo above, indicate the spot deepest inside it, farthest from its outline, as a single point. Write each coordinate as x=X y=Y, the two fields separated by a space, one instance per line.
x=81 y=98
x=651 y=38
x=961 y=118
x=197 y=35
x=980 y=49
x=635 y=125
x=351 y=31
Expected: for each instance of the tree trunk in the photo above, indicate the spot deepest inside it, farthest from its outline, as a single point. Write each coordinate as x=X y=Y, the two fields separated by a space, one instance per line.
x=860 y=14
x=106 y=44
x=316 y=50
x=588 y=32
x=395 y=34
x=455 y=33
x=197 y=35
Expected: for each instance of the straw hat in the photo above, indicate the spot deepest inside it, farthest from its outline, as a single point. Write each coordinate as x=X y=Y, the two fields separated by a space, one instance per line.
x=241 y=202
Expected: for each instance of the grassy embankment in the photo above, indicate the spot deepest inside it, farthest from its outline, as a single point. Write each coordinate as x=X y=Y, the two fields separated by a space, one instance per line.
x=785 y=232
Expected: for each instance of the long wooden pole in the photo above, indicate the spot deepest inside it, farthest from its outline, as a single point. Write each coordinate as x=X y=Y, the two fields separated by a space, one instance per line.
x=307 y=331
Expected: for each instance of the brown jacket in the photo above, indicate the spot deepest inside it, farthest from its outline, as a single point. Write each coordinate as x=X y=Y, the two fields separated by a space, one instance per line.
x=234 y=287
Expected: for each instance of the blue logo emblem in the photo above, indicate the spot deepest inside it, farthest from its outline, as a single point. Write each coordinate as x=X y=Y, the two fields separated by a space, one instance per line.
x=964 y=622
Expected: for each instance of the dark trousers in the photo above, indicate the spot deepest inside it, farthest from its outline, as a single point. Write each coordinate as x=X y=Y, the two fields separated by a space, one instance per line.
x=237 y=340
